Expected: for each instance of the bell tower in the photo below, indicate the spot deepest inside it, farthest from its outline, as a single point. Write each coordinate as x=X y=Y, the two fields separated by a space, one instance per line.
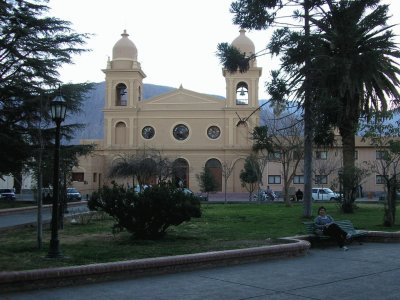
x=242 y=96
x=242 y=88
x=124 y=90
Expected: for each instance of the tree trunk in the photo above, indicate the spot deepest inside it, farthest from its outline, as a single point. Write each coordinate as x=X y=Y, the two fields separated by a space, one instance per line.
x=390 y=209
x=308 y=123
x=287 y=196
x=347 y=133
x=224 y=193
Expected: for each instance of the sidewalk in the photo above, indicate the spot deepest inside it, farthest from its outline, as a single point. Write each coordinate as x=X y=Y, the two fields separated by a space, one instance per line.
x=369 y=271
x=244 y=197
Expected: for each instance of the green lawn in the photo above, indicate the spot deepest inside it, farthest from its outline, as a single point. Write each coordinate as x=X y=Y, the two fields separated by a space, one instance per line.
x=222 y=226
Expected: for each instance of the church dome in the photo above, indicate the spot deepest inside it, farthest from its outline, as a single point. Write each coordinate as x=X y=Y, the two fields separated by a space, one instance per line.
x=125 y=48
x=243 y=43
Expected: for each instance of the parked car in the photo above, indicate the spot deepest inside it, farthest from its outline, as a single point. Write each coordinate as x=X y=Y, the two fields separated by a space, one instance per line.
x=324 y=194
x=187 y=191
x=7 y=194
x=73 y=195
x=139 y=189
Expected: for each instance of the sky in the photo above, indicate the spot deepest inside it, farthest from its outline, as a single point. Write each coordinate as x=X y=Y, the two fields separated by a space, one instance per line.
x=176 y=39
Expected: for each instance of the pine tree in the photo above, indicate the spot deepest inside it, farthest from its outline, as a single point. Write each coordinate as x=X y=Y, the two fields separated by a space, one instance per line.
x=33 y=46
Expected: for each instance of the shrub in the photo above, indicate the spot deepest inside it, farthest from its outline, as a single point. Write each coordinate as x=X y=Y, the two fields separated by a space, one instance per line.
x=147 y=215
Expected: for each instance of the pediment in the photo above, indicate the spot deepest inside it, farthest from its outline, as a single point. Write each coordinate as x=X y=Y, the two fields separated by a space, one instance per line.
x=183 y=99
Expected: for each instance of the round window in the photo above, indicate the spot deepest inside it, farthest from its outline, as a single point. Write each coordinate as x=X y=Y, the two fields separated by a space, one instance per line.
x=181 y=132
x=213 y=132
x=148 y=132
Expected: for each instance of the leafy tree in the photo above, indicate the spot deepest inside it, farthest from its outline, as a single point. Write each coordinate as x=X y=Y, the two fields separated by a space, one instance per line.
x=251 y=175
x=149 y=214
x=145 y=166
x=384 y=135
x=325 y=166
x=281 y=140
x=33 y=46
x=227 y=169
x=207 y=181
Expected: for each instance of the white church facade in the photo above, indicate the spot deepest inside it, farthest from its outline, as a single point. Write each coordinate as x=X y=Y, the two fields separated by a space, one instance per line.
x=191 y=129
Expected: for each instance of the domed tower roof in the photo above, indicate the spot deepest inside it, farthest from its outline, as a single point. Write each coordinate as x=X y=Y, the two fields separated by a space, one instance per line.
x=125 y=48
x=244 y=44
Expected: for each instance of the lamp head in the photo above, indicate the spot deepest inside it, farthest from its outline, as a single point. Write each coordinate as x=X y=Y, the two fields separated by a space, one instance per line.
x=58 y=108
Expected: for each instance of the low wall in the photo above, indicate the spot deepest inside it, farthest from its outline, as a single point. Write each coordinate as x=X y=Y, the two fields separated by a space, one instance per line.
x=56 y=277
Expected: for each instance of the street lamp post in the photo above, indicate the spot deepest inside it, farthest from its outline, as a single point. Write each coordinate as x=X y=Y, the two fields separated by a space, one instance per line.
x=58 y=111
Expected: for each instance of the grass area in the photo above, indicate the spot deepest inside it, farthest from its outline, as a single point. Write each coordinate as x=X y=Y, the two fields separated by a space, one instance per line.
x=222 y=226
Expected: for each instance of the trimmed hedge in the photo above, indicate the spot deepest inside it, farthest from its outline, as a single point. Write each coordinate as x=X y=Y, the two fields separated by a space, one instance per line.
x=148 y=214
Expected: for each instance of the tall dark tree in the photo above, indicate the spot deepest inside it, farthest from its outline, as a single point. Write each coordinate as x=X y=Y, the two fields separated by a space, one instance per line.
x=361 y=76
x=342 y=68
x=33 y=46
x=262 y=15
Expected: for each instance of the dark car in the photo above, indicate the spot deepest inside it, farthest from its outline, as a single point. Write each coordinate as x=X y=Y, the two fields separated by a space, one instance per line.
x=7 y=194
x=73 y=195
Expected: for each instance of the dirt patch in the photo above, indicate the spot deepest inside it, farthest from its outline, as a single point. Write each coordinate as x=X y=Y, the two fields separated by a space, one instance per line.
x=100 y=237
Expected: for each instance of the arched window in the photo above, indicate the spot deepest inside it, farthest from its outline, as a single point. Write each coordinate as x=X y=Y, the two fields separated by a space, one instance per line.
x=215 y=167
x=180 y=172
x=120 y=133
x=242 y=93
x=121 y=96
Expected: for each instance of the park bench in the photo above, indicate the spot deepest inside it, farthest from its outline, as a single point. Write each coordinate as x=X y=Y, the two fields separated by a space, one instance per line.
x=346 y=225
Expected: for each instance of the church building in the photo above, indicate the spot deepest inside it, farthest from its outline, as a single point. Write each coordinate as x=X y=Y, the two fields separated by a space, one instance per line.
x=191 y=129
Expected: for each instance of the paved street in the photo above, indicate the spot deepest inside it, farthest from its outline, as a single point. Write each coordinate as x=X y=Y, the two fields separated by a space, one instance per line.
x=369 y=271
x=24 y=217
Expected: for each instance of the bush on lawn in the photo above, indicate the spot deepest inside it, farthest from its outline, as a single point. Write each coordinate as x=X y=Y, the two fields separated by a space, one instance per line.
x=147 y=215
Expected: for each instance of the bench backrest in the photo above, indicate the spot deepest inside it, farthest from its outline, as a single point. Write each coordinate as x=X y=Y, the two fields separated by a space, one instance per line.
x=346 y=225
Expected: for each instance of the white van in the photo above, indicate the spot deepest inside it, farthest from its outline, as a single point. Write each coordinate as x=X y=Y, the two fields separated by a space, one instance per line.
x=324 y=194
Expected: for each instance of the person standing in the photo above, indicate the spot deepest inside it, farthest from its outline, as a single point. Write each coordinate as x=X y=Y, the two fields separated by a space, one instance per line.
x=299 y=195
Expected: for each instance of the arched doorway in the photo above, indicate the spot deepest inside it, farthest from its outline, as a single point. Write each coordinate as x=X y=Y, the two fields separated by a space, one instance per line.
x=180 y=173
x=215 y=167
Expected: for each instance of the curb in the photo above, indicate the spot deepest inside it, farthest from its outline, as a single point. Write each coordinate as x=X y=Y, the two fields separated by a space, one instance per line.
x=66 y=276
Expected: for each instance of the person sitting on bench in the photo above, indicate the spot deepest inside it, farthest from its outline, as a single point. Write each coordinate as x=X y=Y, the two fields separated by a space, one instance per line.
x=327 y=225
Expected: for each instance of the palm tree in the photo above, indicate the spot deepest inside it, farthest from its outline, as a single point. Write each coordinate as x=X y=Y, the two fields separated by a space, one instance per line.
x=361 y=74
x=348 y=61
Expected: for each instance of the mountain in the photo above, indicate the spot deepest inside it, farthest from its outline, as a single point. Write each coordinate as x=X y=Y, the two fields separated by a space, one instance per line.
x=92 y=110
